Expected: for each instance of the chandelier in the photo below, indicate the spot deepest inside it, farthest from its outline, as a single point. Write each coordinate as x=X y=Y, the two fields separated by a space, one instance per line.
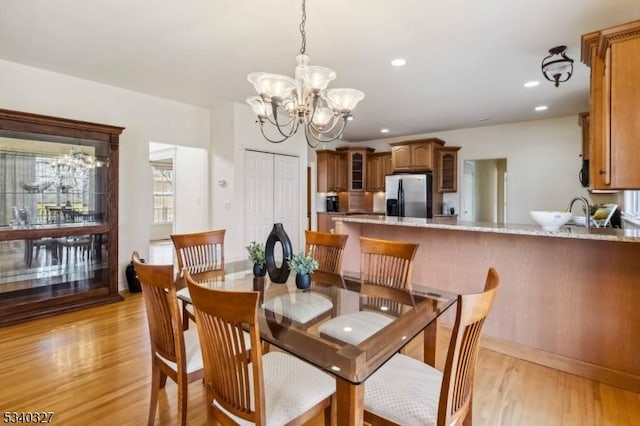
x=286 y=103
x=70 y=167
x=557 y=67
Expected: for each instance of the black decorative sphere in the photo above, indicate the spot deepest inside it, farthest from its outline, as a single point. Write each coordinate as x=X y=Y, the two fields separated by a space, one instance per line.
x=278 y=274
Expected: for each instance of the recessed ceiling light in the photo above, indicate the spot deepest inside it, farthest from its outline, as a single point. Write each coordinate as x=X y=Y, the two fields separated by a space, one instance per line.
x=399 y=62
x=532 y=83
x=384 y=130
x=350 y=118
x=541 y=108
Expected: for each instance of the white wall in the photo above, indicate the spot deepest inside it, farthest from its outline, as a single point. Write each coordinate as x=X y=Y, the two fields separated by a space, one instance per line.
x=191 y=190
x=542 y=161
x=233 y=130
x=146 y=118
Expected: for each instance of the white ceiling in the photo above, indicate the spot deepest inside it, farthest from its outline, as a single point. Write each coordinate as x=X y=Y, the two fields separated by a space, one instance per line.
x=467 y=60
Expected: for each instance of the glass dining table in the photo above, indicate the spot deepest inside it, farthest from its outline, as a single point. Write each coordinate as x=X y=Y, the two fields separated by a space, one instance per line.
x=292 y=320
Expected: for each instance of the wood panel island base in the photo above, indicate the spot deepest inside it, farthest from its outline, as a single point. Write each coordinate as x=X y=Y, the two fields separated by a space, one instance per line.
x=569 y=299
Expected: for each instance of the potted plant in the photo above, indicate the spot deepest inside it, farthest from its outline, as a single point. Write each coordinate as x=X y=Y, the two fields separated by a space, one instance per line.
x=257 y=256
x=303 y=265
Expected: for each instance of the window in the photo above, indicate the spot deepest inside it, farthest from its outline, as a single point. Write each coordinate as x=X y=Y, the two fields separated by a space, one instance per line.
x=162 y=193
x=632 y=204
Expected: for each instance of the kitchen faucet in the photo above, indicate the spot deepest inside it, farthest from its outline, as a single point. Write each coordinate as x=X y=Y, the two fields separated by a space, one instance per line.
x=587 y=211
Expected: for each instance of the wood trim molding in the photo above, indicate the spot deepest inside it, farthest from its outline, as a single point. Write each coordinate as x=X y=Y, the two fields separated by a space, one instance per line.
x=589 y=44
x=617 y=34
x=411 y=142
x=587 y=370
x=47 y=120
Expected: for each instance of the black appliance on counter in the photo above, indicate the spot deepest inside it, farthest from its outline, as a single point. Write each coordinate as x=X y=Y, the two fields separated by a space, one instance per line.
x=332 y=203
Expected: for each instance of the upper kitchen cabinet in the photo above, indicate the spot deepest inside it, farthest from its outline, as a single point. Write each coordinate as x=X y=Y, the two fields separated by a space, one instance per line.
x=356 y=167
x=414 y=156
x=378 y=166
x=614 y=127
x=448 y=169
x=332 y=171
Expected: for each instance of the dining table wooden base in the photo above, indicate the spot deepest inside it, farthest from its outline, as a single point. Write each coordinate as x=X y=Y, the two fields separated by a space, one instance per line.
x=350 y=403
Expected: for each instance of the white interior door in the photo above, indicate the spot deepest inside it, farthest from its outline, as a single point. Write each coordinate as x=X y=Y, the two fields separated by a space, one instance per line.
x=468 y=208
x=272 y=195
x=259 y=195
x=286 y=196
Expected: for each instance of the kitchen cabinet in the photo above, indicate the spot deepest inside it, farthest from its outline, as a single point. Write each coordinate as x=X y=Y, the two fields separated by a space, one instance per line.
x=414 y=156
x=448 y=169
x=387 y=164
x=614 y=149
x=58 y=215
x=356 y=159
x=332 y=171
x=378 y=166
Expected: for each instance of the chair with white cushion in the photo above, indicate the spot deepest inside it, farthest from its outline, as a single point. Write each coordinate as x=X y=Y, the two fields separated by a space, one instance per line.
x=408 y=392
x=249 y=388
x=306 y=308
x=385 y=271
x=199 y=252
x=174 y=353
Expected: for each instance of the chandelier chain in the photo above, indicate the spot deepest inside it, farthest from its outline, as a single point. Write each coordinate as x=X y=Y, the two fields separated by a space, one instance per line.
x=303 y=48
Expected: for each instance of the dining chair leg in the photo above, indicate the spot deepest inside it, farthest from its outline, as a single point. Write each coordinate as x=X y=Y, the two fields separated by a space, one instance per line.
x=182 y=400
x=155 y=388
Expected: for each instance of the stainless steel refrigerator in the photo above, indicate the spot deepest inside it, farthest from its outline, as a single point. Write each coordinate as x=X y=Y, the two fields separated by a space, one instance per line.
x=409 y=195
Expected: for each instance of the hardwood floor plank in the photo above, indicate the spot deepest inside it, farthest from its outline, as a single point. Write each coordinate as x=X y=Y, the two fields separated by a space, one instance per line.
x=93 y=367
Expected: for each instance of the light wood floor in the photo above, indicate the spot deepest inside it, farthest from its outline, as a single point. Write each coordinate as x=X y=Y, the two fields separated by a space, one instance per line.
x=92 y=367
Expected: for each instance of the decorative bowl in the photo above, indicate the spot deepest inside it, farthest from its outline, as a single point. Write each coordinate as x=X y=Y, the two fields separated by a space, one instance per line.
x=550 y=220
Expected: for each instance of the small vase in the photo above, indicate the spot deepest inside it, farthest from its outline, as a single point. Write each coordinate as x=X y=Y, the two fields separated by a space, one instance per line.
x=303 y=282
x=278 y=274
x=259 y=269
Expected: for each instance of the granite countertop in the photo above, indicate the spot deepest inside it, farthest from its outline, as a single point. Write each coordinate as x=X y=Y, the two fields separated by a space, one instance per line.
x=608 y=234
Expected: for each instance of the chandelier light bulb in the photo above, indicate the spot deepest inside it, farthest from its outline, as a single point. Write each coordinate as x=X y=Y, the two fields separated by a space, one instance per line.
x=287 y=103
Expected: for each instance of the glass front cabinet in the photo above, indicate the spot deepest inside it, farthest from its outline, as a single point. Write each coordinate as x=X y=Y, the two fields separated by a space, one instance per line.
x=58 y=215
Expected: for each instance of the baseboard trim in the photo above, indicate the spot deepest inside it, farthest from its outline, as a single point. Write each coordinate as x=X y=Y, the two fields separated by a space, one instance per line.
x=584 y=369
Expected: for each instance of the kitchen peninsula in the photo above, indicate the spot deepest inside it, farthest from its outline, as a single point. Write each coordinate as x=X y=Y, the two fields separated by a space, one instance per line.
x=568 y=299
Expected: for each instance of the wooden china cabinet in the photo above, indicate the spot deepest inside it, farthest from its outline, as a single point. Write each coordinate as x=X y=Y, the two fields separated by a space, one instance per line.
x=58 y=215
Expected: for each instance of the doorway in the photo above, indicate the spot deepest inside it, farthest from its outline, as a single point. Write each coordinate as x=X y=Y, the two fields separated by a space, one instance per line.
x=179 y=206
x=272 y=195
x=484 y=190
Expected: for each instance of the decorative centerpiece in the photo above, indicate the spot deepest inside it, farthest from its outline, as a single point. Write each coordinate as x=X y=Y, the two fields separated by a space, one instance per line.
x=257 y=256
x=278 y=273
x=303 y=265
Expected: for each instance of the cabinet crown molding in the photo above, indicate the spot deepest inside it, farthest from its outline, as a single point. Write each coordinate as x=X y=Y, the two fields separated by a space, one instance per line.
x=599 y=41
x=411 y=142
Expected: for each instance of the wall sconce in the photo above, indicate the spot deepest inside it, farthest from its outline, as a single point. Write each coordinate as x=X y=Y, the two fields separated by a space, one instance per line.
x=557 y=67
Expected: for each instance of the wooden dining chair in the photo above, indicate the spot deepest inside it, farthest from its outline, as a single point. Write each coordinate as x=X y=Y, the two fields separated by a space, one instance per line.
x=406 y=391
x=306 y=308
x=199 y=252
x=174 y=353
x=241 y=387
x=385 y=271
